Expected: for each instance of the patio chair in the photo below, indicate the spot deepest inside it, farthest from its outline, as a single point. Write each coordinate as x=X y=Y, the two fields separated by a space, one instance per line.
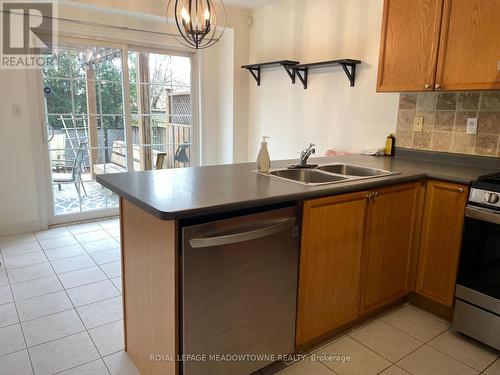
x=181 y=155
x=76 y=171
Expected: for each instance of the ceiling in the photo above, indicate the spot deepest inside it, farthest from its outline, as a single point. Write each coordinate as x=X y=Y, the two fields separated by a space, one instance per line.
x=249 y=4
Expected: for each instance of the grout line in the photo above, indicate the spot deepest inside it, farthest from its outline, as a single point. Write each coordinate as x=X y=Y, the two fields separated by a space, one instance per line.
x=76 y=311
x=21 y=327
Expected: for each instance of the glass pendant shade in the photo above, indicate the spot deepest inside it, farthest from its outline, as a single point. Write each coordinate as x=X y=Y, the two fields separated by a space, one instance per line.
x=196 y=21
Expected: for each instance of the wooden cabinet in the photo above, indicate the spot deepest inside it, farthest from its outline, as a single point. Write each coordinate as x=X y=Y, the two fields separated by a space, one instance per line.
x=409 y=45
x=392 y=218
x=439 y=45
x=330 y=264
x=440 y=241
x=355 y=256
x=469 y=54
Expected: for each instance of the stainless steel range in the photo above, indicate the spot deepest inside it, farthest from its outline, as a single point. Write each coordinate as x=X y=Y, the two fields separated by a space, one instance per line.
x=477 y=296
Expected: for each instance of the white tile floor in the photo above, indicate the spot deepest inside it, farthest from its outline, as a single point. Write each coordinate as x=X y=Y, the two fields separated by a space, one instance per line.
x=60 y=302
x=61 y=313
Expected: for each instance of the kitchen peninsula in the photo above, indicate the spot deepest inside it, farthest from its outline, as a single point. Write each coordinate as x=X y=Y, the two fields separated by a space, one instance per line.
x=156 y=205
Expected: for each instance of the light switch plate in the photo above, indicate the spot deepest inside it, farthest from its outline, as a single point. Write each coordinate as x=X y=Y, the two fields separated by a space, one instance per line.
x=17 y=110
x=472 y=125
x=418 y=124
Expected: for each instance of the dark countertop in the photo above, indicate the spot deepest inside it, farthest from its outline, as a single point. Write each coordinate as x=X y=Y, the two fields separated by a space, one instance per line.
x=181 y=193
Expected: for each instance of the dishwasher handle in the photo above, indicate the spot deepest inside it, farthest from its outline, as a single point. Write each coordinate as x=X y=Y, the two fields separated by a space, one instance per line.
x=228 y=239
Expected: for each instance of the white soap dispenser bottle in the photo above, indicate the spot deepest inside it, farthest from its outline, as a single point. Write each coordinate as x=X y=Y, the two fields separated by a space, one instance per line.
x=263 y=160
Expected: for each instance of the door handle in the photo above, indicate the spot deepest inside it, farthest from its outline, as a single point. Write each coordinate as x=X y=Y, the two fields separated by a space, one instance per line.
x=481 y=214
x=232 y=238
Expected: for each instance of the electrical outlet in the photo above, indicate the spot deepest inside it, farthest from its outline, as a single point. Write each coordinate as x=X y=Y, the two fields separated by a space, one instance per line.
x=418 y=124
x=472 y=125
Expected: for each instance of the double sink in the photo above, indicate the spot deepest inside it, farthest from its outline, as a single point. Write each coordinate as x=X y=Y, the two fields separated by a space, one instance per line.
x=329 y=174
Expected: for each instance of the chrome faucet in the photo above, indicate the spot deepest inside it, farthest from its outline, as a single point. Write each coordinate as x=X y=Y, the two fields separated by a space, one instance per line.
x=304 y=155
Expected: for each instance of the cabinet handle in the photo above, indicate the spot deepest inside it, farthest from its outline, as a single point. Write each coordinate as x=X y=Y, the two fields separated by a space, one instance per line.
x=427 y=86
x=438 y=86
x=375 y=195
x=460 y=190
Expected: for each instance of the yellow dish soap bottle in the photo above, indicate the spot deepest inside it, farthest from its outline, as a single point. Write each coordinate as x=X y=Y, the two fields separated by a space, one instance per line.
x=390 y=145
x=263 y=160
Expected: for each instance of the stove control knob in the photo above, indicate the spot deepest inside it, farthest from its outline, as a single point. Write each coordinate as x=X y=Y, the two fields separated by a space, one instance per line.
x=491 y=198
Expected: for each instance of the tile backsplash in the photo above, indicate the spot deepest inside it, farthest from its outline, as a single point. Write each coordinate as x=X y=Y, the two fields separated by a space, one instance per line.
x=445 y=122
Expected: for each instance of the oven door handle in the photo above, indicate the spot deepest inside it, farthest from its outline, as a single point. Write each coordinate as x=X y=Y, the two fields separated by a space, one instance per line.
x=482 y=214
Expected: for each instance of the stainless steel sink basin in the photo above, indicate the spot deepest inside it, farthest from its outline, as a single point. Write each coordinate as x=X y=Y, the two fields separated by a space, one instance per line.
x=308 y=176
x=328 y=174
x=353 y=170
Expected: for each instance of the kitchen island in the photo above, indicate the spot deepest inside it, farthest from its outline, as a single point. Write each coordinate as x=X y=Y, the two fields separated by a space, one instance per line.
x=154 y=205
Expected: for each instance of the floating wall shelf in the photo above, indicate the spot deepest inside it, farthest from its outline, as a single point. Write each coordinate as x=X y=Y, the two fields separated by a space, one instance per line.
x=255 y=69
x=295 y=69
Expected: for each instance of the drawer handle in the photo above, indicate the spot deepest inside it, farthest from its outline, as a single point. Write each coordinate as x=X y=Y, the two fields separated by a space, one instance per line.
x=427 y=86
x=460 y=190
x=438 y=86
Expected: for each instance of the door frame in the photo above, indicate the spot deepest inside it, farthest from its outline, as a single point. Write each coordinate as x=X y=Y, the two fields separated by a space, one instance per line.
x=42 y=164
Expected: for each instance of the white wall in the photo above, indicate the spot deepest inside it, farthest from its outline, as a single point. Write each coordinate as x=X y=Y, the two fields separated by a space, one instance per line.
x=329 y=113
x=19 y=204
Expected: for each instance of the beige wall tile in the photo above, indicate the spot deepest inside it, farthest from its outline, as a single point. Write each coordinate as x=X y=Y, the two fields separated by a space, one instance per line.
x=405 y=119
x=489 y=123
x=444 y=120
x=404 y=138
x=463 y=143
x=446 y=101
x=448 y=112
x=468 y=101
x=490 y=101
x=441 y=141
x=422 y=141
x=486 y=145
x=407 y=101
x=426 y=101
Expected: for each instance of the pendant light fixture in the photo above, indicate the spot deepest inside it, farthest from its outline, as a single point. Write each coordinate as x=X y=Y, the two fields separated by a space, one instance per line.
x=197 y=22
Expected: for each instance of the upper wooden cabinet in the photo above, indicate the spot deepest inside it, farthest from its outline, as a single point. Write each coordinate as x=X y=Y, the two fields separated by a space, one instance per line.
x=330 y=264
x=469 y=54
x=409 y=45
x=440 y=241
x=439 y=45
x=392 y=219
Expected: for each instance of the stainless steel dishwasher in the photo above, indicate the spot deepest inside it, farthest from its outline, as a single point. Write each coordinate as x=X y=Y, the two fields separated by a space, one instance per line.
x=239 y=287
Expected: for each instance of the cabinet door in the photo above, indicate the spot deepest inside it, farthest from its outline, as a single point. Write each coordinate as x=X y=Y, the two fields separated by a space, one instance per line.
x=469 y=54
x=330 y=261
x=440 y=241
x=390 y=237
x=409 y=45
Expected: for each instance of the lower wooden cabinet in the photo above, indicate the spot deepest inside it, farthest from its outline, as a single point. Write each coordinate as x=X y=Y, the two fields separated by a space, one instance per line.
x=440 y=241
x=392 y=221
x=330 y=264
x=355 y=256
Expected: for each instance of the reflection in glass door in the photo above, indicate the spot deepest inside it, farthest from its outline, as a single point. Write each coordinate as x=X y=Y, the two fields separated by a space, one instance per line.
x=83 y=97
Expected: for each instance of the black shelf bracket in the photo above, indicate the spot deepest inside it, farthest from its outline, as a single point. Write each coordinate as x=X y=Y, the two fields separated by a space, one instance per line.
x=351 y=74
x=348 y=66
x=290 y=71
x=255 y=72
x=303 y=74
x=256 y=69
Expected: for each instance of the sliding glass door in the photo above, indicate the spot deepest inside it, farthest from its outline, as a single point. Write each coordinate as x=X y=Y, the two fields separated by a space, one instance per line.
x=108 y=114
